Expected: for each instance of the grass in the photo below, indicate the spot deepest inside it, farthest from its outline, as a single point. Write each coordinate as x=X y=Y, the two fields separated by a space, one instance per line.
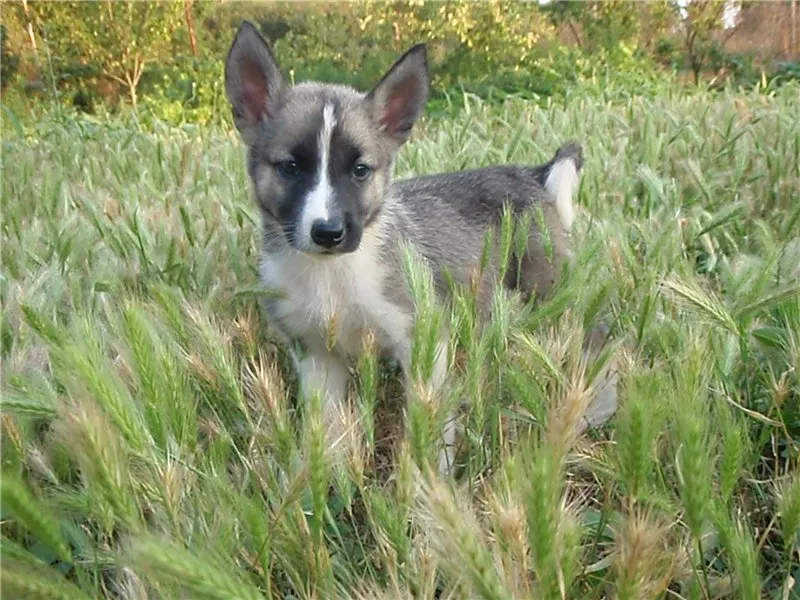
x=152 y=448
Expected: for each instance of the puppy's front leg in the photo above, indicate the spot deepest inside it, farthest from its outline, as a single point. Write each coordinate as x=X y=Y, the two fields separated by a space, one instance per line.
x=438 y=381
x=325 y=373
x=437 y=387
x=604 y=403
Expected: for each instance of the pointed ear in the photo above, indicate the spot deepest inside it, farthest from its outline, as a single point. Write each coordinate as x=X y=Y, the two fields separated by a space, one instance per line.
x=399 y=98
x=253 y=81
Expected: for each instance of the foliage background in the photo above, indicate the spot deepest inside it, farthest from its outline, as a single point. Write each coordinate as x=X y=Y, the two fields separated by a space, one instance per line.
x=151 y=446
x=102 y=57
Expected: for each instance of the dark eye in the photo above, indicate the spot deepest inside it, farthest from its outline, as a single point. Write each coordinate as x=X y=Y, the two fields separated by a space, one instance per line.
x=288 y=168
x=361 y=171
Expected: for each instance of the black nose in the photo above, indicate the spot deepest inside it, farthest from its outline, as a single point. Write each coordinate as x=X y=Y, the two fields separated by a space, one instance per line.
x=327 y=233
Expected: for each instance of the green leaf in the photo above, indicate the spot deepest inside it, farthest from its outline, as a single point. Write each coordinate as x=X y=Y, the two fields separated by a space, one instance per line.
x=22 y=580
x=20 y=504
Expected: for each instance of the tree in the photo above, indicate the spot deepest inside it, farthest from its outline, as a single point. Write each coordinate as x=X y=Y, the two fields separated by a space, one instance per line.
x=118 y=38
x=702 y=22
x=597 y=24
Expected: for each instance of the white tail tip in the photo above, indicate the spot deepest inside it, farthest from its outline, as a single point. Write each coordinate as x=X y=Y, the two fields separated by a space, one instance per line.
x=561 y=184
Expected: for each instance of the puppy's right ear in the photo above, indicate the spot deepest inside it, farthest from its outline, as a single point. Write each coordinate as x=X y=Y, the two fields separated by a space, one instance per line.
x=253 y=81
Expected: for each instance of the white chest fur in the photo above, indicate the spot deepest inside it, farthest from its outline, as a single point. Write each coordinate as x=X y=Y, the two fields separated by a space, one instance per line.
x=337 y=299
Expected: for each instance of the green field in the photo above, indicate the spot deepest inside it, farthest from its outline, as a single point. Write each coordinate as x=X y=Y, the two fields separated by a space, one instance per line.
x=151 y=446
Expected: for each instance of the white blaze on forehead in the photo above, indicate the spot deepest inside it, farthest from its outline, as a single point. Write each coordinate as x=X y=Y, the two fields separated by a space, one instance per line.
x=317 y=203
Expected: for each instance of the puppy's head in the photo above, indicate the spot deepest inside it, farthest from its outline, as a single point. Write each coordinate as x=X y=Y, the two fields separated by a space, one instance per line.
x=320 y=155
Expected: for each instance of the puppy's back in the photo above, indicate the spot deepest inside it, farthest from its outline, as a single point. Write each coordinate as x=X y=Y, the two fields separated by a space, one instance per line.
x=446 y=217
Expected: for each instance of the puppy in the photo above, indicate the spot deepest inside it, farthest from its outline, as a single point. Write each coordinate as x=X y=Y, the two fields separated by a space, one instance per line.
x=336 y=225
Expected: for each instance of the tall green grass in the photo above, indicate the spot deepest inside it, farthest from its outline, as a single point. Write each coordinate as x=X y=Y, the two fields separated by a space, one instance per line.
x=152 y=448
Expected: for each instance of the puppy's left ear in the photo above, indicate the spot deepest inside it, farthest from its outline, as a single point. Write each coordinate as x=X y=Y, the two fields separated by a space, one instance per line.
x=399 y=98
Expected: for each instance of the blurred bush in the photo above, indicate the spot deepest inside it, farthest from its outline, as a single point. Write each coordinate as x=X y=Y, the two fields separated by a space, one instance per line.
x=167 y=59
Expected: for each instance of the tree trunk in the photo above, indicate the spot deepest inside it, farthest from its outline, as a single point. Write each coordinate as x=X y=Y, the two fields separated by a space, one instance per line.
x=692 y=52
x=187 y=11
x=574 y=31
x=29 y=27
x=132 y=93
x=132 y=79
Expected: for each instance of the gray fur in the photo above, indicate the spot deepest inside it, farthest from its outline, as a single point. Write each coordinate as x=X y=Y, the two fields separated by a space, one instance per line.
x=446 y=217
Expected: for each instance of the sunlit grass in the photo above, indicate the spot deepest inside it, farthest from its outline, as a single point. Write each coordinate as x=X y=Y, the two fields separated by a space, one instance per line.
x=151 y=443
